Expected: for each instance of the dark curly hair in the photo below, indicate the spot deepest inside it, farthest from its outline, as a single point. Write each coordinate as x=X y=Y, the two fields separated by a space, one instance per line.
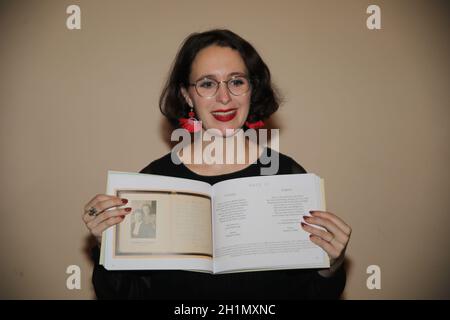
x=264 y=100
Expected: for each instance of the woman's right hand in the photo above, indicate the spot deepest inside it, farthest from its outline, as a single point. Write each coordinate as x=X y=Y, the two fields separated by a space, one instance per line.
x=102 y=219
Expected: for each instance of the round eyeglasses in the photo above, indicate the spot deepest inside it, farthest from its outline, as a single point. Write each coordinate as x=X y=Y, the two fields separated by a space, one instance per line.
x=207 y=87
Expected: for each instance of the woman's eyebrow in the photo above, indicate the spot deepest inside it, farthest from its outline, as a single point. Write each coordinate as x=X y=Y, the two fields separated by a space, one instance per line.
x=215 y=78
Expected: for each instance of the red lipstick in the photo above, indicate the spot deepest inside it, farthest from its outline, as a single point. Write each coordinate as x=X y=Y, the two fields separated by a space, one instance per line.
x=225 y=114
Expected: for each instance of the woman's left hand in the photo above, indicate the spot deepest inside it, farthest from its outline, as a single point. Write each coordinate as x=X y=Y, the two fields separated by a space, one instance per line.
x=333 y=239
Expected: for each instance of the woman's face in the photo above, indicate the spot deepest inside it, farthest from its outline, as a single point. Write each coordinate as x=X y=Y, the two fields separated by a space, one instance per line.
x=219 y=63
x=149 y=218
x=138 y=216
x=146 y=209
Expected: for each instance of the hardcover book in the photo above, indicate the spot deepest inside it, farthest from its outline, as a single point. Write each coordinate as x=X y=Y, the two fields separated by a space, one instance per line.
x=237 y=225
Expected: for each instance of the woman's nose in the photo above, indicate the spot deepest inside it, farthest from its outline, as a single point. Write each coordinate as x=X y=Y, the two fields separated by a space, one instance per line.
x=223 y=95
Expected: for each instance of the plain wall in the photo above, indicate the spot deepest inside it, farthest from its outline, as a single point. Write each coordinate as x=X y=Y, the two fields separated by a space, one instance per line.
x=367 y=110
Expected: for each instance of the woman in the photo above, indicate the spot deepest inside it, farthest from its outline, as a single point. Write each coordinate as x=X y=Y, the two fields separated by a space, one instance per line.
x=220 y=79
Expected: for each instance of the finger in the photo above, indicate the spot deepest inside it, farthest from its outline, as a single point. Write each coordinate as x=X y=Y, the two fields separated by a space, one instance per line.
x=97 y=199
x=329 y=226
x=318 y=232
x=331 y=216
x=105 y=204
x=98 y=230
x=329 y=249
x=107 y=215
x=327 y=236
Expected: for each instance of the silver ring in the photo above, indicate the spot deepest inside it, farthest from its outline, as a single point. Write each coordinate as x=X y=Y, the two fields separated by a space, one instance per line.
x=92 y=212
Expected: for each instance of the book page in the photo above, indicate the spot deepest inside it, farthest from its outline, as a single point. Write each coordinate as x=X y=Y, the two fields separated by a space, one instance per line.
x=257 y=223
x=164 y=222
x=169 y=226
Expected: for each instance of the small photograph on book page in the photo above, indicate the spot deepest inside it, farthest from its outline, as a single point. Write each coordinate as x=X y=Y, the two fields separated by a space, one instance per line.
x=143 y=220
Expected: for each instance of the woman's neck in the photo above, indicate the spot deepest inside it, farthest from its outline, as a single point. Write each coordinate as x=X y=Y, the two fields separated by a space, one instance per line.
x=215 y=155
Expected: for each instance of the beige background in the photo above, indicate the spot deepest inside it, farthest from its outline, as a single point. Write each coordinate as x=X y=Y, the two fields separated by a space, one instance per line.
x=367 y=110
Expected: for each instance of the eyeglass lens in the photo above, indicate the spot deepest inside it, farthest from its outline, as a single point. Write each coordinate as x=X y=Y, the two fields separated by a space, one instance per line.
x=236 y=85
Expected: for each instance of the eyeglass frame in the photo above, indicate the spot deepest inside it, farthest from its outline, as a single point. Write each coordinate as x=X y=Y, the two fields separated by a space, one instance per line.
x=220 y=82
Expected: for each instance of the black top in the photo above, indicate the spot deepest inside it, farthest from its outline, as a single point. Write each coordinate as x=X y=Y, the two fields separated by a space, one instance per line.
x=174 y=284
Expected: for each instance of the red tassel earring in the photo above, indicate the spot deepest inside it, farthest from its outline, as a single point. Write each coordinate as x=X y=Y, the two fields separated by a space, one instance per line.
x=255 y=124
x=191 y=124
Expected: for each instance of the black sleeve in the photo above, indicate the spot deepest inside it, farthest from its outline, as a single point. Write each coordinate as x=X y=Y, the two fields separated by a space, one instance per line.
x=117 y=284
x=296 y=168
x=322 y=288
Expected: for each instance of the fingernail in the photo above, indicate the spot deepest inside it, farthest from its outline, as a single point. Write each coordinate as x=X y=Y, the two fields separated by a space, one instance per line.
x=123 y=217
x=311 y=211
x=127 y=209
x=305 y=217
x=303 y=224
x=124 y=201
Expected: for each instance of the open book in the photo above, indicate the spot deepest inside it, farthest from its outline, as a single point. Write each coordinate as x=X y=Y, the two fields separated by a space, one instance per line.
x=237 y=225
